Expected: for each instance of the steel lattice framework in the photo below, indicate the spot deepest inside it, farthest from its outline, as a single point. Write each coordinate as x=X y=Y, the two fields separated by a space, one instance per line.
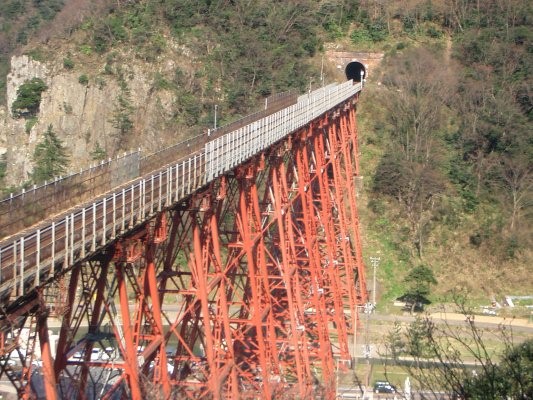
x=246 y=289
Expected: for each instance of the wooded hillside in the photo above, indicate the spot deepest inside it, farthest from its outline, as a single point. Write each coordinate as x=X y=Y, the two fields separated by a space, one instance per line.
x=450 y=131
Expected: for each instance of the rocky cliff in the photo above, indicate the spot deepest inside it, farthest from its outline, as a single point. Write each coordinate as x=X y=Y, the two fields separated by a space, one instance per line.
x=83 y=104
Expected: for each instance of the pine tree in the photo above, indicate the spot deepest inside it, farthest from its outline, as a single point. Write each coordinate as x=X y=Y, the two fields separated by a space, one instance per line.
x=394 y=341
x=98 y=154
x=3 y=167
x=419 y=281
x=121 y=118
x=50 y=157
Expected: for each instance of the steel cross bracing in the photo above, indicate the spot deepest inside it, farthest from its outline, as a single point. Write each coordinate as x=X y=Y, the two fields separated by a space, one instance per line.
x=246 y=288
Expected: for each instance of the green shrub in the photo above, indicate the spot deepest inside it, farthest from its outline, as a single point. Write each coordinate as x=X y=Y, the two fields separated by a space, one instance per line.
x=434 y=32
x=12 y=8
x=333 y=30
x=30 y=124
x=160 y=82
x=409 y=24
x=100 y=82
x=108 y=69
x=86 y=49
x=28 y=98
x=98 y=154
x=22 y=37
x=511 y=247
x=360 y=35
x=3 y=168
x=121 y=118
x=68 y=63
x=33 y=23
x=116 y=26
x=36 y=54
x=48 y=9
x=83 y=79
x=374 y=32
x=378 y=30
x=67 y=108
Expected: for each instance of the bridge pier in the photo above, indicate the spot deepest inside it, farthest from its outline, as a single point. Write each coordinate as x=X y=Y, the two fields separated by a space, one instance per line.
x=46 y=357
x=311 y=257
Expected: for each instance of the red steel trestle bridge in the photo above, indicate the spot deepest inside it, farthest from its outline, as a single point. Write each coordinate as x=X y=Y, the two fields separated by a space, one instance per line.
x=233 y=271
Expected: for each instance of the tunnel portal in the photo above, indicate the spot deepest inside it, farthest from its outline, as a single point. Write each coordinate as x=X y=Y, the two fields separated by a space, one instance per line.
x=355 y=70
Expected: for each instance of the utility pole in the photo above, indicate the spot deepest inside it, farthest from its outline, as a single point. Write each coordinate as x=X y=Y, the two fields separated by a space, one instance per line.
x=375 y=263
x=322 y=72
x=216 y=106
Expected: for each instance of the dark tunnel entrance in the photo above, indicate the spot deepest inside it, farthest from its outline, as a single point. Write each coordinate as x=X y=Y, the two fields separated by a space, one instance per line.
x=355 y=70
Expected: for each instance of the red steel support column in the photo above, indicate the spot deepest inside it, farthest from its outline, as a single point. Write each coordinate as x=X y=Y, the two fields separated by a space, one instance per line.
x=226 y=363
x=321 y=151
x=349 y=139
x=248 y=222
x=130 y=356
x=25 y=390
x=347 y=263
x=289 y=268
x=350 y=124
x=151 y=283
x=318 y=312
x=101 y=275
x=64 y=337
x=178 y=279
x=46 y=357
x=196 y=266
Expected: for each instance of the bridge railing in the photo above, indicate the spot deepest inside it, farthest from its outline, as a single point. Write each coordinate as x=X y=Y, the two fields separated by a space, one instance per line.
x=272 y=104
x=170 y=154
x=28 y=260
x=32 y=258
x=229 y=150
x=21 y=210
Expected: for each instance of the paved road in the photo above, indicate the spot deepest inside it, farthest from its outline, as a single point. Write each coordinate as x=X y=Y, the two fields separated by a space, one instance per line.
x=351 y=393
x=482 y=321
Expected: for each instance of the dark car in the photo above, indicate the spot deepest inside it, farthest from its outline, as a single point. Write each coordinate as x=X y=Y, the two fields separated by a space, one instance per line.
x=384 y=387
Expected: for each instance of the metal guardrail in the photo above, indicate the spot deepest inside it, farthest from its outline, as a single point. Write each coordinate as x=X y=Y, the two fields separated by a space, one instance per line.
x=23 y=209
x=28 y=259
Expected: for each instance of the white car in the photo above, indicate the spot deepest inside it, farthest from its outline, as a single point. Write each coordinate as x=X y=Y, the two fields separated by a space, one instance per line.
x=109 y=353
x=170 y=367
x=96 y=354
x=11 y=362
x=37 y=363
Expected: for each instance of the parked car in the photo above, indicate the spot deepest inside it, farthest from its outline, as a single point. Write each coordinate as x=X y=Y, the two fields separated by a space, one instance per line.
x=11 y=362
x=96 y=353
x=384 y=387
x=109 y=353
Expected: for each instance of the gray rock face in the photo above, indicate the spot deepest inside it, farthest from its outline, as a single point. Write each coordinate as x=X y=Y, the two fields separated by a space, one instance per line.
x=23 y=68
x=83 y=114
